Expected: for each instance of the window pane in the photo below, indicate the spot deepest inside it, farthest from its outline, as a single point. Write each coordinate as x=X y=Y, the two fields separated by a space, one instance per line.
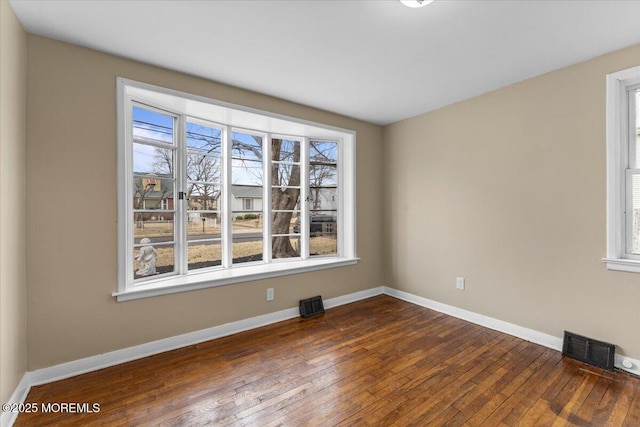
x=150 y=126
x=157 y=227
x=246 y=199
x=285 y=199
x=285 y=222
x=284 y=150
x=247 y=236
x=152 y=192
x=635 y=230
x=203 y=225
x=204 y=255
x=323 y=175
x=637 y=128
x=246 y=146
x=285 y=246
x=322 y=223
x=285 y=175
x=247 y=222
x=323 y=152
x=323 y=199
x=203 y=168
x=323 y=232
x=247 y=173
x=148 y=159
x=203 y=197
x=246 y=165
x=204 y=139
x=246 y=250
x=295 y=222
x=323 y=245
x=152 y=259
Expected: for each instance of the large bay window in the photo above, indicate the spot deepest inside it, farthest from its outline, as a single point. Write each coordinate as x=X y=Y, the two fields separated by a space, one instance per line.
x=623 y=170
x=211 y=193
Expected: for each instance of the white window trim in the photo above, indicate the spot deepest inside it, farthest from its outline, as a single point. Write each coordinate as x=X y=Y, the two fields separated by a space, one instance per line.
x=238 y=117
x=617 y=164
x=230 y=276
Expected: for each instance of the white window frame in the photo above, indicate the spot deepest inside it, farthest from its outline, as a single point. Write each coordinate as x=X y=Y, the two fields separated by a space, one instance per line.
x=232 y=117
x=620 y=141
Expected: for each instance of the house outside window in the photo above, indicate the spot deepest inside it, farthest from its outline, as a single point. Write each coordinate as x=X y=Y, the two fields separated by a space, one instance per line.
x=623 y=170
x=208 y=197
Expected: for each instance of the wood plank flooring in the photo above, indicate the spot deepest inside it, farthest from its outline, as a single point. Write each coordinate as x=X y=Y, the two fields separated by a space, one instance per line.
x=376 y=362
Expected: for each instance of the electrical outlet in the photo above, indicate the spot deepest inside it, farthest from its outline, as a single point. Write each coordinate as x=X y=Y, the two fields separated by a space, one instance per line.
x=270 y=294
x=460 y=283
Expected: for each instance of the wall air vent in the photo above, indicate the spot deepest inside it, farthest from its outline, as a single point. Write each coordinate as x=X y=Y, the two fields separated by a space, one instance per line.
x=311 y=306
x=596 y=353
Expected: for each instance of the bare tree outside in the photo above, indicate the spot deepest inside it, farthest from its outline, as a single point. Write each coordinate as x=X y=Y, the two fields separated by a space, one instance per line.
x=152 y=184
x=246 y=207
x=203 y=166
x=141 y=191
x=285 y=194
x=323 y=192
x=322 y=170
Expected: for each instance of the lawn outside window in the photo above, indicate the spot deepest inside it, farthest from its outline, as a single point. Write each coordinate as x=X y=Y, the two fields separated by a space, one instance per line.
x=623 y=170
x=211 y=193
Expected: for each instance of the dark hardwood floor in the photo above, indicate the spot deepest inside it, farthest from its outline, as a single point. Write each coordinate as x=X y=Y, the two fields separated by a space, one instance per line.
x=380 y=362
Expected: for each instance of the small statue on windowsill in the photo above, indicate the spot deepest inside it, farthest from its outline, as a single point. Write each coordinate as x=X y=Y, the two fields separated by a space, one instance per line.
x=146 y=259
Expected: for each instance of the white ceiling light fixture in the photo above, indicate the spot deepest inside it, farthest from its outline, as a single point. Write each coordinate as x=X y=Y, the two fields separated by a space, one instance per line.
x=415 y=3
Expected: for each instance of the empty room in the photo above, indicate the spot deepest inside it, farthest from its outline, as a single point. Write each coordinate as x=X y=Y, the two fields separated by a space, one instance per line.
x=306 y=212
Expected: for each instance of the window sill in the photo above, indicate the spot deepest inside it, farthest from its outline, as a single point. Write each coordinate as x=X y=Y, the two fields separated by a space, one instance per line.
x=211 y=279
x=622 y=264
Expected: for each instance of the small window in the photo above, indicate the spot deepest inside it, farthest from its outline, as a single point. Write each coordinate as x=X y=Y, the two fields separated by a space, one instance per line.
x=623 y=170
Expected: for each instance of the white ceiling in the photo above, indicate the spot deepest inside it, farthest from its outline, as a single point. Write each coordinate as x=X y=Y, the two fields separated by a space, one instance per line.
x=374 y=60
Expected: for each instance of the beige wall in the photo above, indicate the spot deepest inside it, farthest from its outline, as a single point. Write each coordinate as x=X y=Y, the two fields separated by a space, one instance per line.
x=13 y=288
x=71 y=239
x=508 y=190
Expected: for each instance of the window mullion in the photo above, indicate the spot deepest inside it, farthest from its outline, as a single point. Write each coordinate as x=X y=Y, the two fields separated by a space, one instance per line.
x=266 y=197
x=627 y=135
x=226 y=208
x=629 y=129
x=304 y=198
x=628 y=211
x=125 y=182
x=340 y=220
x=180 y=177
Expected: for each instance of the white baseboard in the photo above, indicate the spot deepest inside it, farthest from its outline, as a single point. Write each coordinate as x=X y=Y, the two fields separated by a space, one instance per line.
x=19 y=395
x=356 y=296
x=527 y=334
x=93 y=363
x=635 y=364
